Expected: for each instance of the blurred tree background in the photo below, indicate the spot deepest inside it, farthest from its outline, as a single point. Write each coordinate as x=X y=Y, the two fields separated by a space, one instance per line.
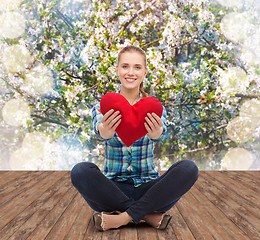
x=58 y=58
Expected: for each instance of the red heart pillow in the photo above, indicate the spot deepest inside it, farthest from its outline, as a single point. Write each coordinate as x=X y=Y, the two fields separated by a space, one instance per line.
x=132 y=126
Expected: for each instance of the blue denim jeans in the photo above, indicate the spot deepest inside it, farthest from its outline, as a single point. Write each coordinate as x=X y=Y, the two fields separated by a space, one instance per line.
x=159 y=195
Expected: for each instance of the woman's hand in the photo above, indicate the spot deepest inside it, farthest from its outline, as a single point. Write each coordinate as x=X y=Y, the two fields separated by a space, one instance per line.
x=153 y=125
x=109 y=123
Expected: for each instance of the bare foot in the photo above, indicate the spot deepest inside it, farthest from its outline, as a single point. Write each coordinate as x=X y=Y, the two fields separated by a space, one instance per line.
x=154 y=219
x=115 y=221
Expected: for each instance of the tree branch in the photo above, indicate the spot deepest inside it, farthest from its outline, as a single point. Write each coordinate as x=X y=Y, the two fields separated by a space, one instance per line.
x=70 y=75
x=204 y=148
x=247 y=96
x=16 y=89
x=66 y=80
x=136 y=15
x=198 y=121
x=90 y=88
x=43 y=119
x=67 y=22
x=208 y=147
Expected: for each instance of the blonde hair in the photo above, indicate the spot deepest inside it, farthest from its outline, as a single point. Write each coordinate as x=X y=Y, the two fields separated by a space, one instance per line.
x=132 y=48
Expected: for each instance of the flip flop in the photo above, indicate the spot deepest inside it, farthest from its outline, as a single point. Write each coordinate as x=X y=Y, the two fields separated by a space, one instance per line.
x=164 y=222
x=97 y=219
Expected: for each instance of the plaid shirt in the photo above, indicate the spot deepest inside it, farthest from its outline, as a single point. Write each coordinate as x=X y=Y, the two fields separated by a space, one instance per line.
x=122 y=162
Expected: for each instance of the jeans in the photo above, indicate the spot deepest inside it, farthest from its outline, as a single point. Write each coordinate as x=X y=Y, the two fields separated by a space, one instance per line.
x=159 y=195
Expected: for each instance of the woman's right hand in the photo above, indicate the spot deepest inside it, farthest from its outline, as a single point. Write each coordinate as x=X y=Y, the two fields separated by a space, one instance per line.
x=109 y=123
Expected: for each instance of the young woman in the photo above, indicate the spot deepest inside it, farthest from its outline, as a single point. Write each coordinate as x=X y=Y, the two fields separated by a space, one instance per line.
x=130 y=189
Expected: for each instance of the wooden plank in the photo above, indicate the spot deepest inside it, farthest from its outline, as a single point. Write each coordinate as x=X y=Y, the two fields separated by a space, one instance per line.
x=8 y=176
x=129 y=232
x=216 y=230
x=81 y=223
x=25 y=222
x=66 y=220
x=221 y=204
x=219 y=217
x=179 y=226
x=246 y=197
x=255 y=174
x=19 y=185
x=230 y=208
x=193 y=219
x=12 y=178
x=248 y=207
x=42 y=230
x=251 y=174
x=146 y=232
x=249 y=181
x=21 y=201
x=3 y=173
x=112 y=234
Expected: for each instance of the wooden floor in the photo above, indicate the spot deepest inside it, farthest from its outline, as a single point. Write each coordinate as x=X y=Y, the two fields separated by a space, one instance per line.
x=44 y=205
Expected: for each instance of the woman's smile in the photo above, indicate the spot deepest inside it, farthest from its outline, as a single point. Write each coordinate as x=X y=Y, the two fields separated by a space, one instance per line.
x=130 y=80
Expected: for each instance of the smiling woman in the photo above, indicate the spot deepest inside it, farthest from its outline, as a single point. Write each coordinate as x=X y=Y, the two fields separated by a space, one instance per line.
x=130 y=184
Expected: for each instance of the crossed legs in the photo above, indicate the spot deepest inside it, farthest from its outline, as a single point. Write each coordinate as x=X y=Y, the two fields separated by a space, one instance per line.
x=156 y=196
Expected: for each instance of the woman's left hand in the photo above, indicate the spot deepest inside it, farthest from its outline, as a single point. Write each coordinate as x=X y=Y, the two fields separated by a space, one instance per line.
x=153 y=125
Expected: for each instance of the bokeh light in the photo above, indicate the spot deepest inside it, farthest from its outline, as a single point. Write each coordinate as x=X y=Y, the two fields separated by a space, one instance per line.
x=39 y=80
x=37 y=143
x=34 y=148
x=233 y=80
x=251 y=48
x=22 y=160
x=251 y=109
x=16 y=58
x=236 y=26
x=12 y=24
x=230 y=3
x=9 y=5
x=240 y=129
x=235 y=3
x=16 y=112
x=237 y=159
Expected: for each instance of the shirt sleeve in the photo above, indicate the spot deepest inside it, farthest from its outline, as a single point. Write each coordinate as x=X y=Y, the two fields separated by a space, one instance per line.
x=96 y=120
x=164 y=120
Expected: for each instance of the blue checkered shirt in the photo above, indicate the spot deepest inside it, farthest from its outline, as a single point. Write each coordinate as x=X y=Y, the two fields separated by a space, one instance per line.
x=122 y=162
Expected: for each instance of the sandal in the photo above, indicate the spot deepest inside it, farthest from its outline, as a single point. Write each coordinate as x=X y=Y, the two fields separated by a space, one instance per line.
x=97 y=219
x=164 y=222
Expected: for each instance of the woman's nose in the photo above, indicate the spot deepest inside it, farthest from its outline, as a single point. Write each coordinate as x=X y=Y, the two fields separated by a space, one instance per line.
x=131 y=71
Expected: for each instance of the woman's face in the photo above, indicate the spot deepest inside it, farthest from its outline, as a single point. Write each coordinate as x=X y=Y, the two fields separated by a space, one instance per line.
x=131 y=70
